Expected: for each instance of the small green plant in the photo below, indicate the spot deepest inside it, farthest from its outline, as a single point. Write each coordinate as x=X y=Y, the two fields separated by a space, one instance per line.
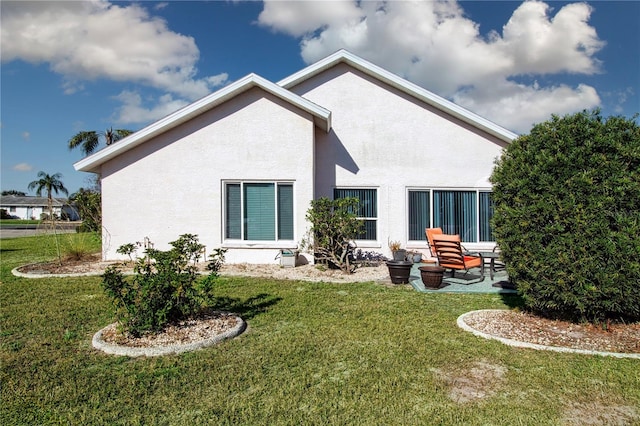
x=79 y=246
x=216 y=261
x=190 y=246
x=127 y=249
x=164 y=289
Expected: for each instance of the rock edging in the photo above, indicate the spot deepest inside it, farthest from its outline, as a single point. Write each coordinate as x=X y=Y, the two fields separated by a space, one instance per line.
x=114 y=349
x=17 y=273
x=516 y=343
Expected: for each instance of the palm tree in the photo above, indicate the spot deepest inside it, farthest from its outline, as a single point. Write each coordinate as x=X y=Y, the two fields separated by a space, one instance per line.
x=89 y=140
x=48 y=183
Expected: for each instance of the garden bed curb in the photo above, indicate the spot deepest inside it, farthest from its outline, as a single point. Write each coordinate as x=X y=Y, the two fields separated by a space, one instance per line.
x=129 y=351
x=17 y=273
x=516 y=343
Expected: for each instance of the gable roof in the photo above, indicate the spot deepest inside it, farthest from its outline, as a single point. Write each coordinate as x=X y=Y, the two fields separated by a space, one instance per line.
x=411 y=89
x=321 y=117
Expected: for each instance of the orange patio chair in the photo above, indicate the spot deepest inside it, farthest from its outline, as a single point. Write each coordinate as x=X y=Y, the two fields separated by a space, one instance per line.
x=430 y=232
x=451 y=255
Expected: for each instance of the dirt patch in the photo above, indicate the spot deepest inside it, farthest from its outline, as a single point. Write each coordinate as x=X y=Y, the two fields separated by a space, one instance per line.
x=480 y=380
x=595 y=413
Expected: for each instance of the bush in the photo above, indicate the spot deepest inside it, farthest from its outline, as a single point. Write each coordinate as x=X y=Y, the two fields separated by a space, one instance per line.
x=333 y=227
x=164 y=289
x=567 y=217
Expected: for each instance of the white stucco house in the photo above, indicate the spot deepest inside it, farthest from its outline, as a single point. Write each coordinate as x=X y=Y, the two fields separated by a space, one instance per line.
x=28 y=207
x=240 y=166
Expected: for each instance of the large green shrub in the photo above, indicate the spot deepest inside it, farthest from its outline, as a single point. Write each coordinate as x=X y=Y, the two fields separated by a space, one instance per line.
x=165 y=287
x=567 y=217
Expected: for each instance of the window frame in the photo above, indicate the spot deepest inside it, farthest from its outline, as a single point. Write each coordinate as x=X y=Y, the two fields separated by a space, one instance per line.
x=375 y=220
x=479 y=227
x=242 y=240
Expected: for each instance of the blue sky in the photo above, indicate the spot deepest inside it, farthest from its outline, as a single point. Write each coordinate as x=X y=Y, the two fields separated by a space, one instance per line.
x=71 y=66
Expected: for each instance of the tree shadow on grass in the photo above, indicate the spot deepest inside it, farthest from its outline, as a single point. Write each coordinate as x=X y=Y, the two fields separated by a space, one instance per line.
x=247 y=308
x=513 y=301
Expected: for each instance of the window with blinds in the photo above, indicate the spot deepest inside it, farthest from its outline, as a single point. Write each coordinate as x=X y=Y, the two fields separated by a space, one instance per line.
x=367 y=210
x=258 y=211
x=466 y=213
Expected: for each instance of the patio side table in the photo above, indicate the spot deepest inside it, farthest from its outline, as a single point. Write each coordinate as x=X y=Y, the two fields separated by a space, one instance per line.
x=491 y=256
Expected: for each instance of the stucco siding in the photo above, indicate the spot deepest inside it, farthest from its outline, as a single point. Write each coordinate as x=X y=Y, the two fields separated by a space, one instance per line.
x=382 y=138
x=173 y=184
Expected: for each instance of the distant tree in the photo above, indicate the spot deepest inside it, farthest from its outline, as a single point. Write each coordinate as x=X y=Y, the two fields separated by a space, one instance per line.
x=88 y=141
x=49 y=183
x=89 y=205
x=14 y=192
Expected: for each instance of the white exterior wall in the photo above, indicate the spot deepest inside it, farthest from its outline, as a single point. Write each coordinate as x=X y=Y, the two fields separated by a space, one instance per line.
x=26 y=213
x=382 y=138
x=173 y=184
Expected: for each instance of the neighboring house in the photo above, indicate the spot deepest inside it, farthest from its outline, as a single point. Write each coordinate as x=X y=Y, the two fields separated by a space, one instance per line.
x=240 y=167
x=25 y=207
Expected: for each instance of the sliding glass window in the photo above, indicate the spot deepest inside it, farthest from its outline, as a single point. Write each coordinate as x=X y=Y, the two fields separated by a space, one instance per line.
x=467 y=213
x=485 y=210
x=419 y=214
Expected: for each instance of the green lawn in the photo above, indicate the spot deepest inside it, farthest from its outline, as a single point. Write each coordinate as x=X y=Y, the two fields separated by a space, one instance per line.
x=19 y=222
x=314 y=353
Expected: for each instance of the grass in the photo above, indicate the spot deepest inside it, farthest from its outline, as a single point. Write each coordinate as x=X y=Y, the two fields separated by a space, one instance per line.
x=19 y=222
x=314 y=353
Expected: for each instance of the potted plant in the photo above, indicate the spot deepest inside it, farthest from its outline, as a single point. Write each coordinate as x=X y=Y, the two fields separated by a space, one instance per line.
x=399 y=271
x=431 y=276
x=396 y=250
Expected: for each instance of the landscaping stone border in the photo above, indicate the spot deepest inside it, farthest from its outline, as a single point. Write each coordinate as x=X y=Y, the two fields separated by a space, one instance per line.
x=129 y=351
x=17 y=273
x=516 y=343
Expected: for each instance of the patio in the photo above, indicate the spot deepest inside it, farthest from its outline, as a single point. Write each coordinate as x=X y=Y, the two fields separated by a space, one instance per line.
x=465 y=283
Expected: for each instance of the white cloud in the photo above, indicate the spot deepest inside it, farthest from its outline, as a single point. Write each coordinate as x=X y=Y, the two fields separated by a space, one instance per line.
x=96 y=39
x=26 y=136
x=22 y=167
x=286 y=16
x=436 y=46
x=161 y=5
x=526 y=105
x=133 y=111
x=618 y=98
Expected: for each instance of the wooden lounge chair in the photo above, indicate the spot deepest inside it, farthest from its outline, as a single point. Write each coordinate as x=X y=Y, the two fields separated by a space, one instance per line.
x=451 y=255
